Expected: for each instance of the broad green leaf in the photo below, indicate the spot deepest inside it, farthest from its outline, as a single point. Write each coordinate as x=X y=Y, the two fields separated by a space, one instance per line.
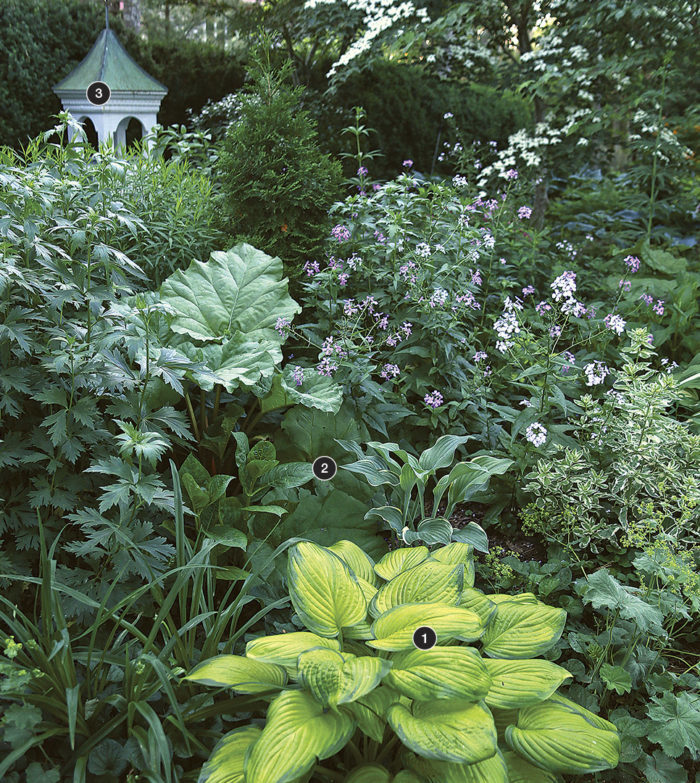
x=370 y=773
x=398 y=560
x=616 y=678
x=238 y=361
x=390 y=514
x=284 y=649
x=297 y=732
x=466 y=478
x=316 y=391
x=225 y=764
x=335 y=679
x=478 y=603
x=240 y=290
x=356 y=558
x=394 y=629
x=603 y=591
x=291 y=474
x=433 y=530
x=440 y=673
x=562 y=737
x=425 y=583
x=241 y=674
x=406 y=777
x=323 y=590
x=472 y=534
x=445 y=729
x=521 y=771
x=675 y=722
x=522 y=629
x=370 y=711
x=491 y=770
x=442 y=453
x=521 y=683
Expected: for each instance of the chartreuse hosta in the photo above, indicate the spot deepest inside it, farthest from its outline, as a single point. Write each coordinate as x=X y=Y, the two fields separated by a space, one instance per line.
x=353 y=699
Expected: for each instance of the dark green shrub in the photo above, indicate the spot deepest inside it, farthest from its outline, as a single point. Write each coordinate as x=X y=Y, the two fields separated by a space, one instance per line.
x=277 y=185
x=405 y=106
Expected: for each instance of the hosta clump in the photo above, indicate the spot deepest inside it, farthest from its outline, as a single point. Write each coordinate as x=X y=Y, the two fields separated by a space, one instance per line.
x=478 y=707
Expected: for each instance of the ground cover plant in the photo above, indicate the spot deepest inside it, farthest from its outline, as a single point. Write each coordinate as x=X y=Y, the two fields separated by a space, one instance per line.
x=493 y=332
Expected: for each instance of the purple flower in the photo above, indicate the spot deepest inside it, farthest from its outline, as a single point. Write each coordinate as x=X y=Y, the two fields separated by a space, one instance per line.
x=376 y=186
x=362 y=171
x=524 y=213
x=625 y=285
x=407 y=328
x=479 y=356
x=632 y=263
x=529 y=289
x=281 y=326
x=379 y=237
x=659 y=307
x=343 y=278
x=555 y=331
x=647 y=298
x=390 y=371
x=407 y=163
x=511 y=174
x=476 y=277
x=326 y=367
x=311 y=268
x=298 y=375
x=341 y=233
x=434 y=399
x=542 y=307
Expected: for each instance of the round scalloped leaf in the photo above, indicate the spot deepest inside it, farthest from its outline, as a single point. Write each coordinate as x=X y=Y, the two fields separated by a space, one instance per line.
x=446 y=730
x=394 y=629
x=424 y=583
x=336 y=679
x=324 y=592
x=492 y=770
x=521 y=771
x=297 y=732
x=357 y=559
x=440 y=673
x=284 y=649
x=562 y=737
x=226 y=762
x=478 y=603
x=398 y=560
x=241 y=674
x=240 y=290
x=370 y=773
x=523 y=629
x=521 y=683
x=454 y=553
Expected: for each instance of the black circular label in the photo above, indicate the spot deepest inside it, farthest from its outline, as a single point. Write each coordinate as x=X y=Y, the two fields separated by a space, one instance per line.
x=424 y=637
x=324 y=468
x=98 y=93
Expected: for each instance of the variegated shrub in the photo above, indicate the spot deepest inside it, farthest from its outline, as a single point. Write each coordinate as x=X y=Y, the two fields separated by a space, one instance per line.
x=353 y=699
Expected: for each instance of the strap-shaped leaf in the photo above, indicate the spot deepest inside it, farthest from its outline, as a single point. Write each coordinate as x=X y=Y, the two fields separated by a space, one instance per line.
x=324 y=592
x=225 y=765
x=240 y=290
x=446 y=730
x=357 y=559
x=425 y=583
x=297 y=732
x=523 y=629
x=284 y=649
x=398 y=560
x=336 y=679
x=492 y=770
x=394 y=629
x=521 y=683
x=521 y=771
x=440 y=673
x=370 y=711
x=241 y=674
x=562 y=737
x=478 y=603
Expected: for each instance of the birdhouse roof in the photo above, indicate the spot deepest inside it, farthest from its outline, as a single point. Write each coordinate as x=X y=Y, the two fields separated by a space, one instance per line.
x=109 y=62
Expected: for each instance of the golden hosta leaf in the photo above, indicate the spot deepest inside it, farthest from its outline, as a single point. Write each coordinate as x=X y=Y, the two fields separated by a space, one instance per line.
x=440 y=673
x=225 y=765
x=359 y=561
x=521 y=683
x=336 y=679
x=423 y=583
x=285 y=648
x=324 y=592
x=241 y=674
x=394 y=629
x=455 y=553
x=523 y=629
x=398 y=560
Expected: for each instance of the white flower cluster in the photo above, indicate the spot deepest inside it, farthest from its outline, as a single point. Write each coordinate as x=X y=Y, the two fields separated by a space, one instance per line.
x=595 y=372
x=536 y=434
x=379 y=16
x=507 y=325
x=524 y=149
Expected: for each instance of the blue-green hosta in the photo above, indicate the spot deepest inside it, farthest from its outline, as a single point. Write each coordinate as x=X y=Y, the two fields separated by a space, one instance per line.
x=353 y=699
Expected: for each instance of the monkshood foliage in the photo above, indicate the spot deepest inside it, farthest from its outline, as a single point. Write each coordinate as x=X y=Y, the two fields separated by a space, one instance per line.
x=411 y=480
x=351 y=698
